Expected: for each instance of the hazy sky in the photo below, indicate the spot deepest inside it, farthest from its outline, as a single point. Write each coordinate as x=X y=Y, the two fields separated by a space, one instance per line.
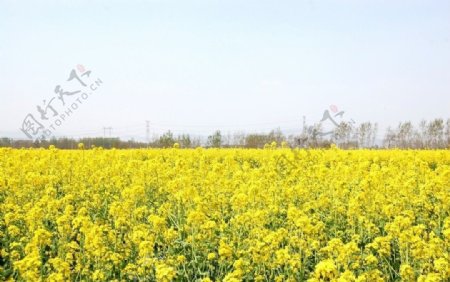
x=196 y=66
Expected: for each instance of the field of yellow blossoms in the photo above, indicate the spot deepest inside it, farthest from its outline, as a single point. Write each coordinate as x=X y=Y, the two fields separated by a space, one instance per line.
x=224 y=215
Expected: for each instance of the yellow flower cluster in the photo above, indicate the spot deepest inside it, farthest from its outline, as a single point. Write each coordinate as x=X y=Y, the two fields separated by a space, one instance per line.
x=224 y=215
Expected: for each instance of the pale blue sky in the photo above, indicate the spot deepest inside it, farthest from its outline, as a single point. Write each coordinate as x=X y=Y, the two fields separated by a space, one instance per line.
x=196 y=66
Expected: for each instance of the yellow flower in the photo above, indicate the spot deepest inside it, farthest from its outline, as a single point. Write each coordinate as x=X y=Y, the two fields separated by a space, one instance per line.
x=13 y=230
x=181 y=259
x=225 y=251
x=164 y=273
x=407 y=272
x=326 y=270
x=98 y=275
x=224 y=214
x=371 y=260
x=442 y=266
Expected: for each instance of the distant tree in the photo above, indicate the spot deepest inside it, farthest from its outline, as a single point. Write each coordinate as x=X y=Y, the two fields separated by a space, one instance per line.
x=166 y=140
x=238 y=139
x=227 y=140
x=342 y=134
x=389 y=138
x=365 y=134
x=436 y=133
x=256 y=140
x=421 y=137
x=291 y=139
x=312 y=136
x=215 y=140
x=447 y=133
x=196 y=142
x=427 y=135
x=185 y=141
x=405 y=135
x=276 y=135
x=433 y=134
x=373 y=135
x=6 y=142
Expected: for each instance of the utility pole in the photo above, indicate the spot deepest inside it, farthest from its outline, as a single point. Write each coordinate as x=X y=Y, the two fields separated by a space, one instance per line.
x=304 y=124
x=104 y=135
x=147 y=131
x=303 y=136
x=103 y=139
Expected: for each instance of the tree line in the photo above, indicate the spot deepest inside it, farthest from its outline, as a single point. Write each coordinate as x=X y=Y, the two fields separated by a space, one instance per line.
x=434 y=134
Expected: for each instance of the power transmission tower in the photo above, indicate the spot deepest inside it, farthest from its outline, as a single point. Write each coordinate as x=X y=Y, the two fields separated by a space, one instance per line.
x=104 y=136
x=105 y=129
